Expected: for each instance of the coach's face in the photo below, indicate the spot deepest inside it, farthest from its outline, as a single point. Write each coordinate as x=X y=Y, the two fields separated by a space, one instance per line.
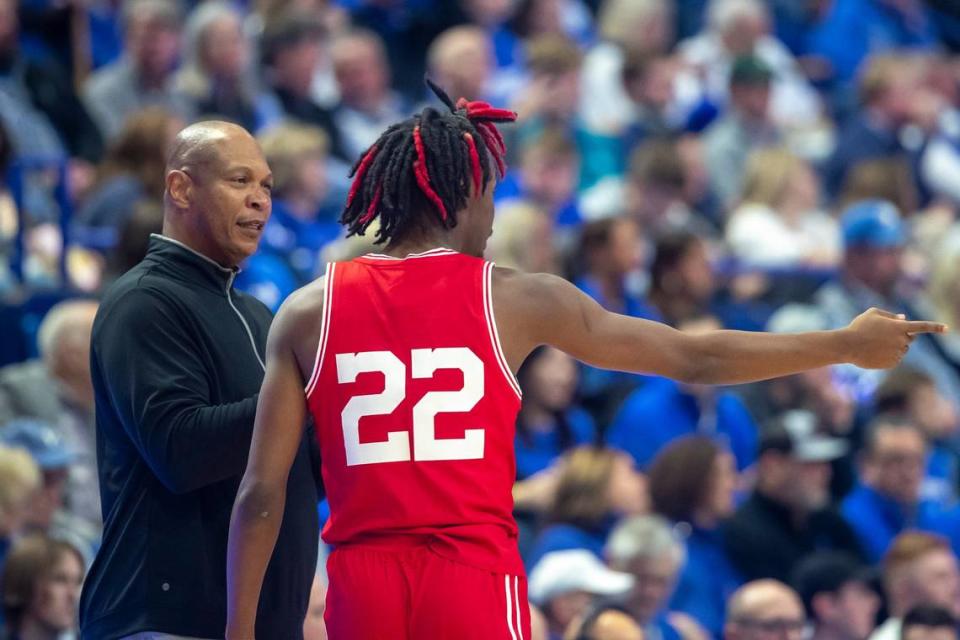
x=230 y=199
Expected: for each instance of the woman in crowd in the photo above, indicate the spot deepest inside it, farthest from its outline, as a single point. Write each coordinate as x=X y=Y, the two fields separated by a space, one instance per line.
x=692 y=483
x=778 y=223
x=595 y=488
x=40 y=588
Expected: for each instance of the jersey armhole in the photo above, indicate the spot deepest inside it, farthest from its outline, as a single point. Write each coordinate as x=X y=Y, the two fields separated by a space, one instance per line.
x=324 y=329
x=492 y=330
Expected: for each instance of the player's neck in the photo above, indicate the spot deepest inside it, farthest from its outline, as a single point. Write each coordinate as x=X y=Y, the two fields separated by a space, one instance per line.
x=419 y=245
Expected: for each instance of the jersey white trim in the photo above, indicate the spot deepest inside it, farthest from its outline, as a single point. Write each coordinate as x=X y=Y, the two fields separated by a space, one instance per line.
x=439 y=251
x=492 y=329
x=324 y=328
x=506 y=584
x=516 y=601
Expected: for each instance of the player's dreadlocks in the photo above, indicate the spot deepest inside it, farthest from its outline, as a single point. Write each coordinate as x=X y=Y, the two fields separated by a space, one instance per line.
x=421 y=169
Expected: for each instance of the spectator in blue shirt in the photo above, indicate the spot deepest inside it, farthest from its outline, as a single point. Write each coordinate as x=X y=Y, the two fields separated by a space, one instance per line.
x=663 y=410
x=596 y=486
x=888 y=498
x=855 y=29
x=549 y=422
x=303 y=219
x=887 y=88
x=547 y=176
x=914 y=394
x=612 y=256
x=692 y=483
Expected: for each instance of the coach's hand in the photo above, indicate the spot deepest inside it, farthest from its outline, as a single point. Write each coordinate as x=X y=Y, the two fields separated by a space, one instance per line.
x=879 y=339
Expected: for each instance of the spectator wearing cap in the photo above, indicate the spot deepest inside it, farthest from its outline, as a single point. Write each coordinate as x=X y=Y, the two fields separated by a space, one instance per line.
x=292 y=50
x=692 y=483
x=663 y=410
x=143 y=76
x=918 y=569
x=744 y=128
x=648 y=548
x=57 y=391
x=50 y=510
x=788 y=515
x=871 y=272
x=888 y=501
x=929 y=622
x=565 y=583
x=743 y=28
x=888 y=85
x=838 y=596
x=765 y=609
x=367 y=104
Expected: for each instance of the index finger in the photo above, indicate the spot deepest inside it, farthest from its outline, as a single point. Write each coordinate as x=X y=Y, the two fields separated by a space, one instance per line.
x=922 y=326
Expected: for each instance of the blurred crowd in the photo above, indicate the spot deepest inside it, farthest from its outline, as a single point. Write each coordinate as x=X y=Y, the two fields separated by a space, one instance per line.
x=776 y=165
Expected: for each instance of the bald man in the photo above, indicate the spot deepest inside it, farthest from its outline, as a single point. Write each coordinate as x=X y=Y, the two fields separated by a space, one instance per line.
x=176 y=363
x=764 y=609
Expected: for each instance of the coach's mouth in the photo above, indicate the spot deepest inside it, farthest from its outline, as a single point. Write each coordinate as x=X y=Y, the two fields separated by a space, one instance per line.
x=251 y=225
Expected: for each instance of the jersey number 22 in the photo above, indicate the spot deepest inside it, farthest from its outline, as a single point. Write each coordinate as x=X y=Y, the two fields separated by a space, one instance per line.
x=423 y=364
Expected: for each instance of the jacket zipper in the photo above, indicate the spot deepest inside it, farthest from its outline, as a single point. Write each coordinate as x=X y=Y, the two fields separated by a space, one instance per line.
x=253 y=343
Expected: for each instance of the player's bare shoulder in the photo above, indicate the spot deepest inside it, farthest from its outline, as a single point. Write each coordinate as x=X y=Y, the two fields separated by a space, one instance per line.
x=524 y=305
x=297 y=325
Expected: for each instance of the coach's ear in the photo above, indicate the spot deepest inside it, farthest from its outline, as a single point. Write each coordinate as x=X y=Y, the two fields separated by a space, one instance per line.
x=179 y=186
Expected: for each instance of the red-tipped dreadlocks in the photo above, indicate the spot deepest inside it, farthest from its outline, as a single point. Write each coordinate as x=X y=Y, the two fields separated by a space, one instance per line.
x=423 y=178
x=426 y=164
x=475 y=163
x=372 y=209
x=361 y=169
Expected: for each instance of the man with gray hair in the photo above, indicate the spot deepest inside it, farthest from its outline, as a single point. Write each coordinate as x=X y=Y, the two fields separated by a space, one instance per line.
x=647 y=548
x=143 y=76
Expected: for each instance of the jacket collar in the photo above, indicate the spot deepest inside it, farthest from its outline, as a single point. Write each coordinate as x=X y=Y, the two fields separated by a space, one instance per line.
x=190 y=263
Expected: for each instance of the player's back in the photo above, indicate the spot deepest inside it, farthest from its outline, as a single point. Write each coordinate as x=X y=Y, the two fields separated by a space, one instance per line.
x=415 y=408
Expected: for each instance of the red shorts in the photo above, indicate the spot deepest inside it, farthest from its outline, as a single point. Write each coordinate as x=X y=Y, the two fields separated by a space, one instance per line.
x=412 y=593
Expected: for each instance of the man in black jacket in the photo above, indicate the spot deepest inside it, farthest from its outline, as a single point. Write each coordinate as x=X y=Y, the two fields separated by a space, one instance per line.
x=789 y=515
x=177 y=363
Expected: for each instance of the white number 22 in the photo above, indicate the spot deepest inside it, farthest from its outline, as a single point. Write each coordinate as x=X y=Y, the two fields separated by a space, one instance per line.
x=426 y=446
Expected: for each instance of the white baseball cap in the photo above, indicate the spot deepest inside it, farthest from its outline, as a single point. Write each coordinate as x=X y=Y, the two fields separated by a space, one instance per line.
x=561 y=572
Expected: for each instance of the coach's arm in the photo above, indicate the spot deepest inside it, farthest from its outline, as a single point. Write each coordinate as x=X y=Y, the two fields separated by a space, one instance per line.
x=158 y=388
x=535 y=309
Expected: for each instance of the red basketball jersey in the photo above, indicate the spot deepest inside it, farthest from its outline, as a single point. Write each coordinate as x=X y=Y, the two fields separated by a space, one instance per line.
x=415 y=408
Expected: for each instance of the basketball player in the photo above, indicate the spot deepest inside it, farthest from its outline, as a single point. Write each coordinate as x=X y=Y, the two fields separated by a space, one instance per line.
x=406 y=361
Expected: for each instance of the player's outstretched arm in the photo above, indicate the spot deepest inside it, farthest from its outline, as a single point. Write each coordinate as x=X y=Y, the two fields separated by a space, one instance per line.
x=545 y=309
x=258 y=510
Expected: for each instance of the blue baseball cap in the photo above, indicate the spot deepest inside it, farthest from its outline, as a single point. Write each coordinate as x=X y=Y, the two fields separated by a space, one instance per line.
x=872 y=223
x=44 y=445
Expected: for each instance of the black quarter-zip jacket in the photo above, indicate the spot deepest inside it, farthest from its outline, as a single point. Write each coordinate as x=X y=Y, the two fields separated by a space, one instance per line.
x=177 y=363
